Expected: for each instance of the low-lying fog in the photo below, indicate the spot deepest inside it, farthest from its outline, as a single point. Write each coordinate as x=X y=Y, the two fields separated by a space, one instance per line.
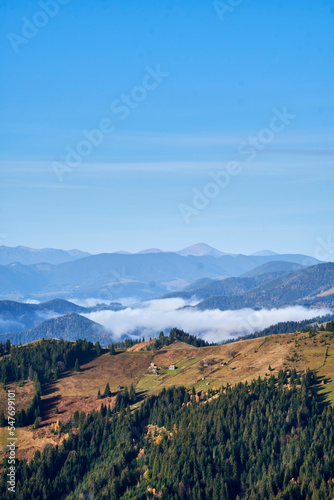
x=213 y=325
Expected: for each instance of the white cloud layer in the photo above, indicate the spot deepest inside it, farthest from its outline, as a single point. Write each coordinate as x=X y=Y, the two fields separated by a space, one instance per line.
x=213 y=325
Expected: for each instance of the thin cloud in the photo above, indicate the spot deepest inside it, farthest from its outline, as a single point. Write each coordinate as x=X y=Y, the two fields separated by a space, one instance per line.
x=10 y=326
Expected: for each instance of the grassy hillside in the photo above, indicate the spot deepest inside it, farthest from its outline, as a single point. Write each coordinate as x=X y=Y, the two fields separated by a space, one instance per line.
x=200 y=369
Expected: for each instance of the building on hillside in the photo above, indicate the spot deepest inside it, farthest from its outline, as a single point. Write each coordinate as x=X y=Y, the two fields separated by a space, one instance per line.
x=172 y=367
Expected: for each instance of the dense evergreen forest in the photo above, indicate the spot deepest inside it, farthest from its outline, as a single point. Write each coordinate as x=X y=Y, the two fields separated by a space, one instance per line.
x=268 y=439
x=165 y=340
x=176 y=334
x=41 y=362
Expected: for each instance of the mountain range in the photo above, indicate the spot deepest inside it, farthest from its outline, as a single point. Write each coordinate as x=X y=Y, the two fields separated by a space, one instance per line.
x=18 y=316
x=271 y=285
x=70 y=326
x=28 y=256
x=109 y=277
x=310 y=287
x=206 y=288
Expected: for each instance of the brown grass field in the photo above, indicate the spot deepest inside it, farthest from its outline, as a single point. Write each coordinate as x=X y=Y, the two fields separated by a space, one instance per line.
x=202 y=368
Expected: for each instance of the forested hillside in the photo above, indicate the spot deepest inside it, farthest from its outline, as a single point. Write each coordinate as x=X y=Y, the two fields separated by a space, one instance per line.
x=229 y=287
x=42 y=363
x=71 y=326
x=311 y=286
x=290 y=327
x=267 y=439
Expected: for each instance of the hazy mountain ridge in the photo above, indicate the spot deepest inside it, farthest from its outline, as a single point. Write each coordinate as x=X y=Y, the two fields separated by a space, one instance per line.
x=298 y=288
x=18 y=316
x=206 y=288
x=227 y=287
x=70 y=326
x=29 y=256
x=112 y=276
x=276 y=266
x=201 y=249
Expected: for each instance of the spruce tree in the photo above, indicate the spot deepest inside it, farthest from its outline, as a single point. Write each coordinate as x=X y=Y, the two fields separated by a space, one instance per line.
x=98 y=348
x=133 y=395
x=107 y=392
x=8 y=346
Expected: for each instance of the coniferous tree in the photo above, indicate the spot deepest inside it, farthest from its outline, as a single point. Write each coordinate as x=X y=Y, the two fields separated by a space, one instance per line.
x=98 y=348
x=107 y=391
x=133 y=395
x=8 y=346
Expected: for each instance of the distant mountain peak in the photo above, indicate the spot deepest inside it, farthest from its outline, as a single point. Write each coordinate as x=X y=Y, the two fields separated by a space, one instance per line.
x=264 y=253
x=200 y=249
x=151 y=250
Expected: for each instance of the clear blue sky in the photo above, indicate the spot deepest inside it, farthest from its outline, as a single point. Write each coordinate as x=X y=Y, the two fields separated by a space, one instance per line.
x=227 y=74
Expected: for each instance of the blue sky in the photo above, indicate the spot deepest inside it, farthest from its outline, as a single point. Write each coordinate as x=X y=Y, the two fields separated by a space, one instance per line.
x=224 y=79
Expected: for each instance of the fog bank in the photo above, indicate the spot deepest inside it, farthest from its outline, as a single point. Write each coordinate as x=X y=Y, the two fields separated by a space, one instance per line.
x=213 y=325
